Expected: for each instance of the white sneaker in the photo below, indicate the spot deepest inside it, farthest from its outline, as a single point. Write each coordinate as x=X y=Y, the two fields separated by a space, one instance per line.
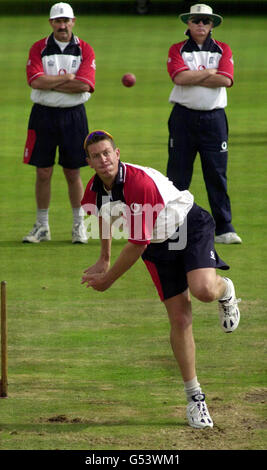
x=79 y=233
x=228 y=310
x=39 y=233
x=228 y=238
x=197 y=412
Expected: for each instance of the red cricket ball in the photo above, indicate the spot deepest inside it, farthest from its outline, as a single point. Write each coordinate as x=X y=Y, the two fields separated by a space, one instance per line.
x=128 y=79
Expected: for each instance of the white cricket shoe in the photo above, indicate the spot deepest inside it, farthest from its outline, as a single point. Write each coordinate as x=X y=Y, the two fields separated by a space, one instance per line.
x=228 y=238
x=229 y=313
x=197 y=412
x=79 y=233
x=39 y=233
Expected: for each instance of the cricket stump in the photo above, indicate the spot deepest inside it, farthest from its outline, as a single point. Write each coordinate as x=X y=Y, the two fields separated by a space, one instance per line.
x=3 y=382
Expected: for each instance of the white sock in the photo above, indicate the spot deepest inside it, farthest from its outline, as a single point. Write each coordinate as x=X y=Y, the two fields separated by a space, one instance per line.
x=42 y=217
x=192 y=387
x=77 y=215
x=227 y=292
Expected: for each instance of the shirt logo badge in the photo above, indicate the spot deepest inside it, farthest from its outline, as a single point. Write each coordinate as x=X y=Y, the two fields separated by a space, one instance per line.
x=224 y=147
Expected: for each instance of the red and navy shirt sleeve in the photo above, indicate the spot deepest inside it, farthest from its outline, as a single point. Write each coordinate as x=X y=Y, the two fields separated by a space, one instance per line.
x=144 y=203
x=86 y=71
x=34 y=67
x=140 y=196
x=176 y=62
x=226 y=64
x=89 y=200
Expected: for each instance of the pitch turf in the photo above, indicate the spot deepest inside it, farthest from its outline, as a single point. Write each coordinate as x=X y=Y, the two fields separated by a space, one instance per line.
x=95 y=371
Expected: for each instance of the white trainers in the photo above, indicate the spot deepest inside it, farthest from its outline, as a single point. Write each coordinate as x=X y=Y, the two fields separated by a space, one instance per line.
x=39 y=233
x=228 y=238
x=197 y=412
x=79 y=233
x=228 y=310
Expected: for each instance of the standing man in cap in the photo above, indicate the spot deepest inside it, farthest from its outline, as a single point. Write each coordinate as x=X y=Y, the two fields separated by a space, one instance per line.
x=61 y=73
x=201 y=69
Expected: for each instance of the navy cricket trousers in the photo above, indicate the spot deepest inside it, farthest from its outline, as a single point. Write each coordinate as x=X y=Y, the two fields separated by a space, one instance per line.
x=206 y=133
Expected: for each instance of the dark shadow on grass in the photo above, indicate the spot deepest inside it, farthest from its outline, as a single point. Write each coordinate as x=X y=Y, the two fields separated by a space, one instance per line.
x=253 y=135
x=248 y=143
x=45 y=245
x=255 y=138
x=56 y=243
x=78 y=427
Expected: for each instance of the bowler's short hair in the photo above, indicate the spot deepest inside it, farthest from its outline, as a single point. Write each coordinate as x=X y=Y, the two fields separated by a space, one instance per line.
x=97 y=136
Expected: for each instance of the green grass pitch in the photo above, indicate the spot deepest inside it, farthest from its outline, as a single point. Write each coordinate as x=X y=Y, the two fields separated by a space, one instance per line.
x=95 y=371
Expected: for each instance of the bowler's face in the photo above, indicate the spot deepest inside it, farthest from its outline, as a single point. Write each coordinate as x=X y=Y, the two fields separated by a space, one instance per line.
x=104 y=160
x=62 y=28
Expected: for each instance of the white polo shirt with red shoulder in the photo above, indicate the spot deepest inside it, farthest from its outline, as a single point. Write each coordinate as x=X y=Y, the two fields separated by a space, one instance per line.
x=47 y=58
x=151 y=206
x=187 y=55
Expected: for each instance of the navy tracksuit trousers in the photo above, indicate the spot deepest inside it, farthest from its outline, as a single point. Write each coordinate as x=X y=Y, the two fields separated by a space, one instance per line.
x=206 y=132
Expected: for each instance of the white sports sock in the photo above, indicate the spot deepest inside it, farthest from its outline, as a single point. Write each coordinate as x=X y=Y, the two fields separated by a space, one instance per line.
x=192 y=387
x=77 y=215
x=42 y=217
x=227 y=292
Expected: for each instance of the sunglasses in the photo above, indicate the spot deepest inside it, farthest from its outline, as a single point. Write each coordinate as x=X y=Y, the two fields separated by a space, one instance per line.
x=89 y=136
x=204 y=20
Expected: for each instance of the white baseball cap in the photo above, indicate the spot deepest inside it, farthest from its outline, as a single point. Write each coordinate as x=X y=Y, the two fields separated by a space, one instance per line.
x=61 y=10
